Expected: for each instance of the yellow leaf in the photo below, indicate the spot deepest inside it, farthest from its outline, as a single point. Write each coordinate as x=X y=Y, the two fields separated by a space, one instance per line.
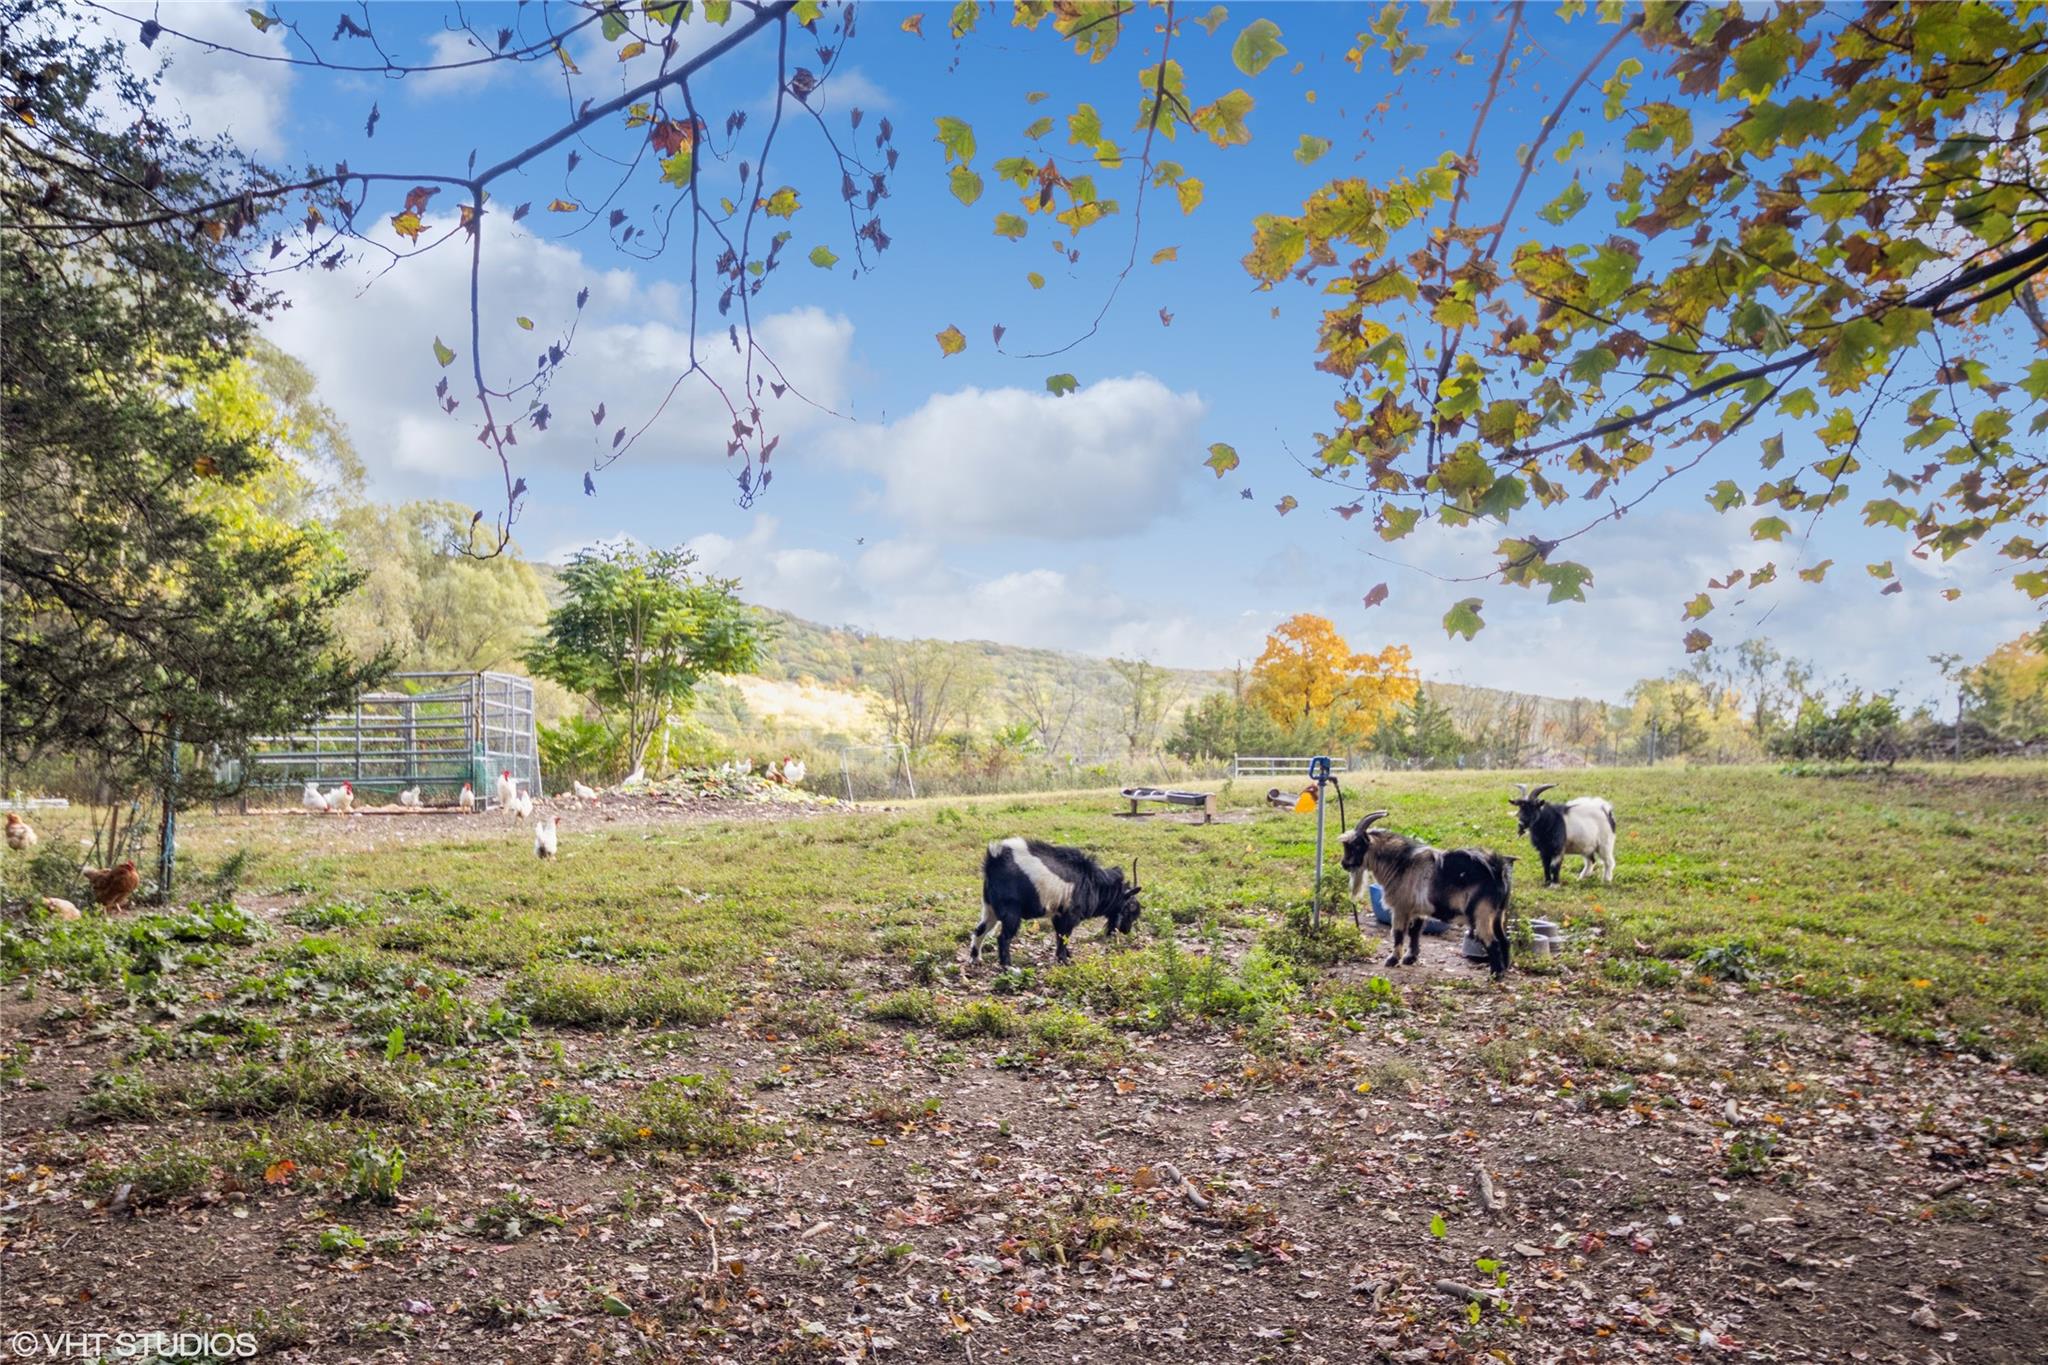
x=951 y=341
x=1164 y=254
x=632 y=50
x=408 y=226
x=525 y=323
x=568 y=62
x=564 y=206
x=914 y=24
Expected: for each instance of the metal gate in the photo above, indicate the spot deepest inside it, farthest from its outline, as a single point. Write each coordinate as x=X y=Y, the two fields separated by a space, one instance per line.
x=434 y=731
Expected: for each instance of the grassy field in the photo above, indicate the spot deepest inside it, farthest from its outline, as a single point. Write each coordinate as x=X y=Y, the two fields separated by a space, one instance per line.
x=397 y=1041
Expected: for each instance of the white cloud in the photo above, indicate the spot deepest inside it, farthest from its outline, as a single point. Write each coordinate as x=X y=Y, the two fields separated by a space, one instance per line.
x=445 y=48
x=369 y=340
x=216 y=92
x=1106 y=461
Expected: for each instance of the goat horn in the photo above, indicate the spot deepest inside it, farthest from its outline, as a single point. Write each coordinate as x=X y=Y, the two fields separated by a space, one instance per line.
x=1522 y=790
x=1365 y=821
x=1134 y=874
x=1540 y=790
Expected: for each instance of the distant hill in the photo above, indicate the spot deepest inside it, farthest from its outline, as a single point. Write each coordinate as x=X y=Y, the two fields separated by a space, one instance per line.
x=837 y=657
x=817 y=680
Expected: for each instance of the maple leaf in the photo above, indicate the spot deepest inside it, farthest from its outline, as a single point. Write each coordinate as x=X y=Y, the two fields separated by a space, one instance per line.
x=1375 y=595
x=951 y=341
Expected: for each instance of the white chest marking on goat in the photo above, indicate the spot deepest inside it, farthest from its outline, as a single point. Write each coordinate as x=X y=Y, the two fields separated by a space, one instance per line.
x=1054 y=891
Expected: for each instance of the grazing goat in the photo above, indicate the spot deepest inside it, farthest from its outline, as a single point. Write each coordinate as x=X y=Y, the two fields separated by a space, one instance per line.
x=1024 y=879
x=1583 y=825
x=1420 y=882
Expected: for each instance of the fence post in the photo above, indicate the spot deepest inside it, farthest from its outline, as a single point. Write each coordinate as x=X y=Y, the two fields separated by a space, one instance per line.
x=167 y=836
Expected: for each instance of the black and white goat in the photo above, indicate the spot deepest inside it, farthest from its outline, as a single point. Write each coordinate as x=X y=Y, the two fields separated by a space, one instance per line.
x=1420 y=882
x=1583 y=825
x=1025 y=879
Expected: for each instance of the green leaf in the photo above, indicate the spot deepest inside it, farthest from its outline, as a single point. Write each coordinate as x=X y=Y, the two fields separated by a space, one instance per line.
x=1311 y=149
x=1883 y=570
x=1887 y=512
x=1769 y=528
x=675 y=170
x=442 y=354
x=1698 y=607
x=966 y=184
x=261 y=20
x=781 y=204
x=965 y=15
x=1725 y=495
x=394 y=1043
x=808 y=12
x=525 y=323
x=956 y=139
x=1566 y=206
x=717 y=13
x=1213 y=20
x=1060 y=385
x=822 y=257
x=1223 y=119
x=951 y=341
x=1397 y=522
x=1190 y=192
x=1011 y=226
x=1258 y=47
x=1817 y=572
x=613 y=26
x=1084 y=126
x=1039 y=128
x=1222 y=459
x=1462 y=619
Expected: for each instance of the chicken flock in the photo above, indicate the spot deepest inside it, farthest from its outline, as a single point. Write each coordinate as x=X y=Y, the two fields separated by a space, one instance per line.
x=112 y=887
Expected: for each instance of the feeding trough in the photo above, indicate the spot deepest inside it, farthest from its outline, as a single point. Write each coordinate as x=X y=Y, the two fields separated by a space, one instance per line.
x=1202 y=801
x=1545 y=937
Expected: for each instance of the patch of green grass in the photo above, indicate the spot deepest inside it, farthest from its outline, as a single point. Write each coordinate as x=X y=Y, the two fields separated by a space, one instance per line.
x=572 y=995
x=155 y=1177
x=696 y=1115
x=980 y=1019
x=916 y=1006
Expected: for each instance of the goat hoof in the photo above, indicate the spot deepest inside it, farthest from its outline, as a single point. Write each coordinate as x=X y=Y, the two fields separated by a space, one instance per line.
x=1393 y=961
x=1410 y=961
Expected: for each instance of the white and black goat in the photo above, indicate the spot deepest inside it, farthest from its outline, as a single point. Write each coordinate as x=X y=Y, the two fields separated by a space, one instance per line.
x=1583 y=825
x=1421 y=882
x=1025 y=879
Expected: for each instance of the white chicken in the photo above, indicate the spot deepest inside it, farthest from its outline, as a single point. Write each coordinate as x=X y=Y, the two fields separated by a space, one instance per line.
x=21 y=836
x=60 y=907
x=342 y=798
x=314 y=799
x=637 y=777
x=583 y=793
x=793 y=771
x=547 y=835
x=410 y=797
x=522 y=805
x=467 y=801
x=507 y=788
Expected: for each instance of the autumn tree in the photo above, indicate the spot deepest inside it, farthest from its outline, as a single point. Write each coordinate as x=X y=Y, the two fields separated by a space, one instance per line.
x=427 y=596
x=1308 y=677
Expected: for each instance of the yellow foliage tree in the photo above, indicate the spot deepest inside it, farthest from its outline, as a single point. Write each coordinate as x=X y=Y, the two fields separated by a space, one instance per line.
x=1308 y=675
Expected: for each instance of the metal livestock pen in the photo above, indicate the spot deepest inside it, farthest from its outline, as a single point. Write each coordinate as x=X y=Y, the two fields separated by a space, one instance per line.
x=435 y=731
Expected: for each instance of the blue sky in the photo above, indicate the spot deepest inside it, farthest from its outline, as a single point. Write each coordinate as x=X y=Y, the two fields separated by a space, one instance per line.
x=953 y=496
